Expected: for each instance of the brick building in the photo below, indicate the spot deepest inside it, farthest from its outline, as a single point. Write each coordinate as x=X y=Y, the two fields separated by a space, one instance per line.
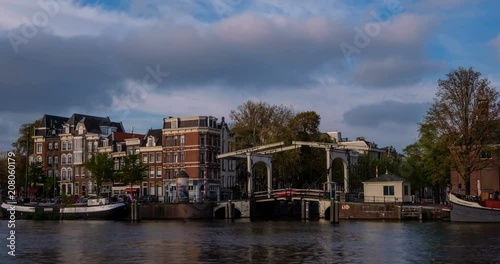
x=191 y=144
x=63 y=145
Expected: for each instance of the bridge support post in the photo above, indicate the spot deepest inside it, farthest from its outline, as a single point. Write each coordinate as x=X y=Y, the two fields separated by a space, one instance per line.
x=250 y=176
x=229 y=210
x=304 y=208
x=329 y=171
x=334 y=211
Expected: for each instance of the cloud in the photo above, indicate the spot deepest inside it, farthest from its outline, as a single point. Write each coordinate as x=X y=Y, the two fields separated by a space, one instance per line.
x=496 y=44
x=375 y=115
x=393 y=72
x=93 y=59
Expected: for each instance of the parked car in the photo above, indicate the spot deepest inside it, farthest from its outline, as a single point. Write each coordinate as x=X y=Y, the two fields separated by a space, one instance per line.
x=148 y=199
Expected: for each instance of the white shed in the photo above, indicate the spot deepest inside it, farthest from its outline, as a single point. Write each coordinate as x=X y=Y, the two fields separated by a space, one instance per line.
x=387 y=188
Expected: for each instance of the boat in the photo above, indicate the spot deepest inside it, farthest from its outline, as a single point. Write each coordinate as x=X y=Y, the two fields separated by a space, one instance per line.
x=468 y=209
x=114 y=211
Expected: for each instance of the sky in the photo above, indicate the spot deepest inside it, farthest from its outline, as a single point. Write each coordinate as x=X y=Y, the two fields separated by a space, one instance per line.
x=368 y=68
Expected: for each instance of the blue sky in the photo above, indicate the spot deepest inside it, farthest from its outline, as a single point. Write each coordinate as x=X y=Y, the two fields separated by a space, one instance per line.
x=211 y=56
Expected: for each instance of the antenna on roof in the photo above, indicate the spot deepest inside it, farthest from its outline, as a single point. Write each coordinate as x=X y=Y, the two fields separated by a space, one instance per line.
x=132 y=131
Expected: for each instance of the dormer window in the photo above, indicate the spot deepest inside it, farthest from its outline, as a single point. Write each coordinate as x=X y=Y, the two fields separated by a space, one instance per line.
x=150 y=142
x=80 y=130
x=66 y=130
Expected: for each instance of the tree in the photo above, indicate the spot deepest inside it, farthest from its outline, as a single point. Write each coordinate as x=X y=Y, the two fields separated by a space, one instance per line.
x=305 y=126
x=132 y=170
x=260 y=123
x=101 y=168
x=465 y=114
x=27 y=132
x=21 y=148
x=36 y=175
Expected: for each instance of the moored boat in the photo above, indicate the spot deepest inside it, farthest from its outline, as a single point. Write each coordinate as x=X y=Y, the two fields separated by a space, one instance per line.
x=114 y=211
x=465 y=209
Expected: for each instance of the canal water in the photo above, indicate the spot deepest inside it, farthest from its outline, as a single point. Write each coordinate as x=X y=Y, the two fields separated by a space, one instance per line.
x=221 y=241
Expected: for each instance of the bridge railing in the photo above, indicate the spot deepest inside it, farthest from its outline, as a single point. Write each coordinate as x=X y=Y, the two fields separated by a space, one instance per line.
x=287 y=193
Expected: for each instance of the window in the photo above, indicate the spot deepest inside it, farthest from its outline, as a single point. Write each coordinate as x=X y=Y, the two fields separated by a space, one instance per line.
x=158 y=171
x=56 y=160
x=485 y=155
x=64 y=145
x=104 y=144
x=182 y=156
x=70 y=159
x=151 y=157
x=191 y=187
x=167 y=141
x=151 y=171
x=167 y=173
x=182 y=140
x=202 y=173
x=144 y=158
x=70 y=145
x=63 y=159
x=49 y=173
x=202 y=158
x=70 y=173
x=175 y=157
x=77 y=171
x=202 y=140
x=56 y=145
x=158 y=157
x=167 y=158
x=49 y=160
x=50 y=146
x=406 y=190
x=174 y=142
x=80 y=130
x=119 y=147
x=388 y=190
x=39 y=148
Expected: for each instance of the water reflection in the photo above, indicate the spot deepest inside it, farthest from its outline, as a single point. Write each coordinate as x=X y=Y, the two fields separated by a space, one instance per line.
x=253 y=242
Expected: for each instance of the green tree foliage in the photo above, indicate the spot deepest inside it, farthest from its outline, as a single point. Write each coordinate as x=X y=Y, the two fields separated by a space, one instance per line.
x=26 y=132
x=465 y=114
x=259 y=123
x=305 y=126
x=133 y=170
x=101 y=168
x=35 y=173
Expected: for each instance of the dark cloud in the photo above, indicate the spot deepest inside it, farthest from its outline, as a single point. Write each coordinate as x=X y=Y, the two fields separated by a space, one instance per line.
x=373 y=115
x=393 y=72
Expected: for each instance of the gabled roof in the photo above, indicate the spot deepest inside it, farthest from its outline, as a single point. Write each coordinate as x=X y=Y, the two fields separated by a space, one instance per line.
x=93 y=123
x=157 y=134
x=386 y=178
x=52 y=121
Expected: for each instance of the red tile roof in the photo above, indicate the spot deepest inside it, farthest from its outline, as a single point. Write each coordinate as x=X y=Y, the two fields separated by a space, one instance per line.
x=121 y=136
